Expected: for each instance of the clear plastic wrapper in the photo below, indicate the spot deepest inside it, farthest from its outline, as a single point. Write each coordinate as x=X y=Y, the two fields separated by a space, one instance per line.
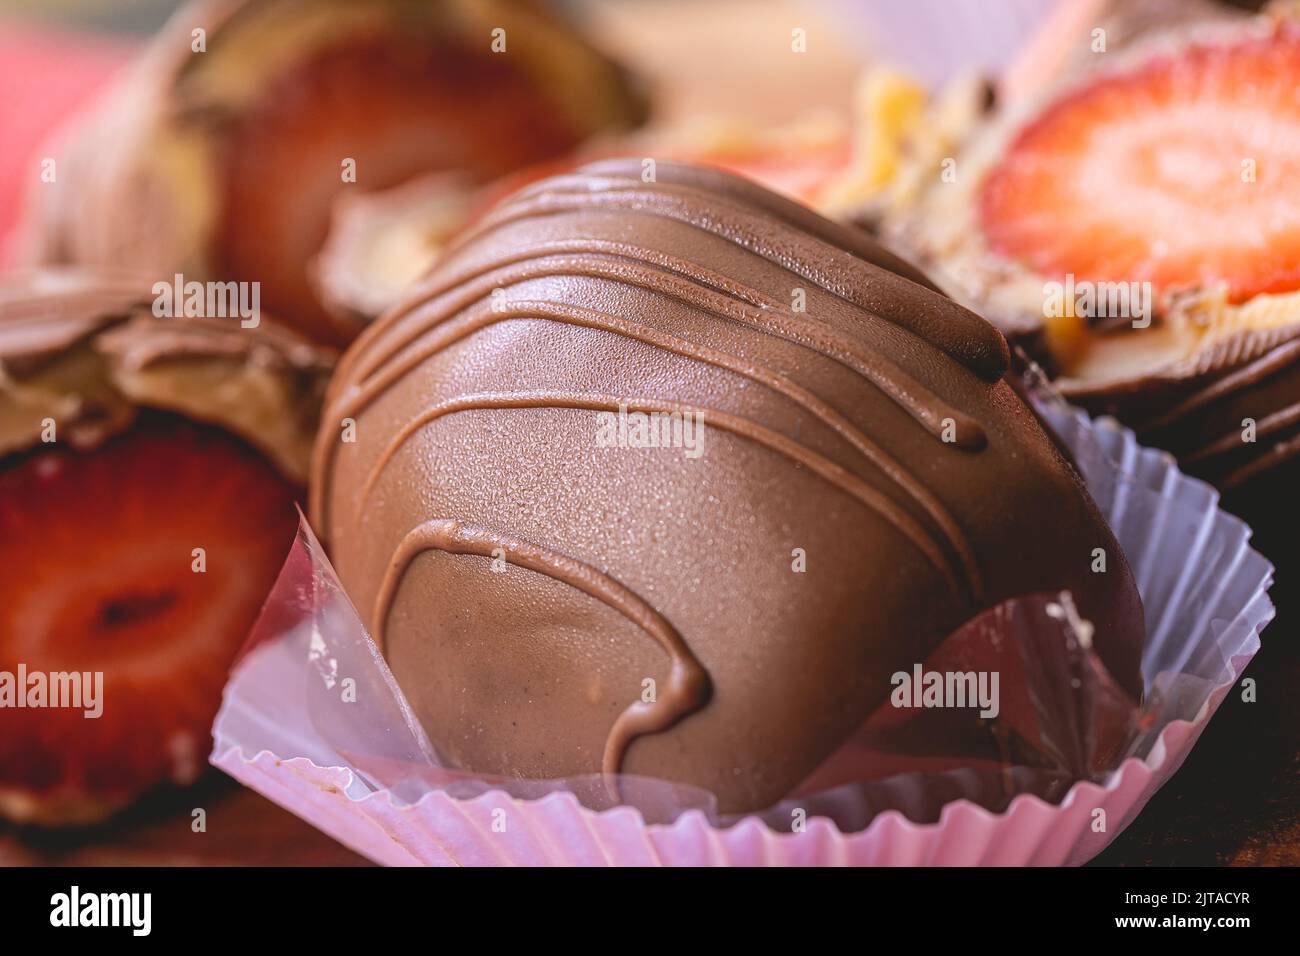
x=313 y=719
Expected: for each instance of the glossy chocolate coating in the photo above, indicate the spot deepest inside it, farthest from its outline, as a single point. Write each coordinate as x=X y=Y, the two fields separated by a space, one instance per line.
x=872 y=429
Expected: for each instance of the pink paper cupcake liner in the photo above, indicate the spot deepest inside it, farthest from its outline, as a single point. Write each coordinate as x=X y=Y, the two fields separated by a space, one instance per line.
x=1205 y=593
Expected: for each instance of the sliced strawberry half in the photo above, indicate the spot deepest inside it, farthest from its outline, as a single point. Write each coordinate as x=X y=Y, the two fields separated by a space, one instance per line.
x=394 y=109
x=1180 y=171
x=98 y=552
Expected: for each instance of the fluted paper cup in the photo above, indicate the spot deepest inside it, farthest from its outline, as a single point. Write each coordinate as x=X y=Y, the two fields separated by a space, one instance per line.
x=365 y=773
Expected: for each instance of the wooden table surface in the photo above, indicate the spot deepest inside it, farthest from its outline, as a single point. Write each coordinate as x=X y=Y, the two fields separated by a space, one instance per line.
x=242 y=829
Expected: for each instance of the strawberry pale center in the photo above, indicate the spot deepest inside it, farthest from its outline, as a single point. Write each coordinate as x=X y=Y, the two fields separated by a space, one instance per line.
x=145 y=558
x=1180 y=173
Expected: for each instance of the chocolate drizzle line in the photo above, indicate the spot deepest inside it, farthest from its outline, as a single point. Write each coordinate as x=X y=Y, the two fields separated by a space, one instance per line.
x=598 y=174
x=736 y=424
x=475 y=286
x=687 y=688
x=928 y=410
x=634 y=270
x=466 y=324
x=453 y=304
x=843 y=275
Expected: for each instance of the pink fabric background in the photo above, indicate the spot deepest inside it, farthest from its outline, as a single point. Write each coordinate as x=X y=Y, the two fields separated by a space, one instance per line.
x=45 y=75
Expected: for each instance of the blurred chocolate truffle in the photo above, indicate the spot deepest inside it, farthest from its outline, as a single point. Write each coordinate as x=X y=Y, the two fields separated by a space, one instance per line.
x=662 y=474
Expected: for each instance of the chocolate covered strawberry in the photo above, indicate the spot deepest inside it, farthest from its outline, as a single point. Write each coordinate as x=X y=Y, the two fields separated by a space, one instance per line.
x=1135 y=227
x=148 y=472
x=220 y=155
x=1179 y=171
x=139 y=566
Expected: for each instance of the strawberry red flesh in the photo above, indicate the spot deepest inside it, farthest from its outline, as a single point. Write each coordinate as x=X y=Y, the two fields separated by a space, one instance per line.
x=396 y=110
x=98 y=551
x=1180 y=171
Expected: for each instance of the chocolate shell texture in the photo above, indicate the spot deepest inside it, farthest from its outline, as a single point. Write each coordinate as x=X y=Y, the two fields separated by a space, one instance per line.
x=83 y=347
x=527 y=584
